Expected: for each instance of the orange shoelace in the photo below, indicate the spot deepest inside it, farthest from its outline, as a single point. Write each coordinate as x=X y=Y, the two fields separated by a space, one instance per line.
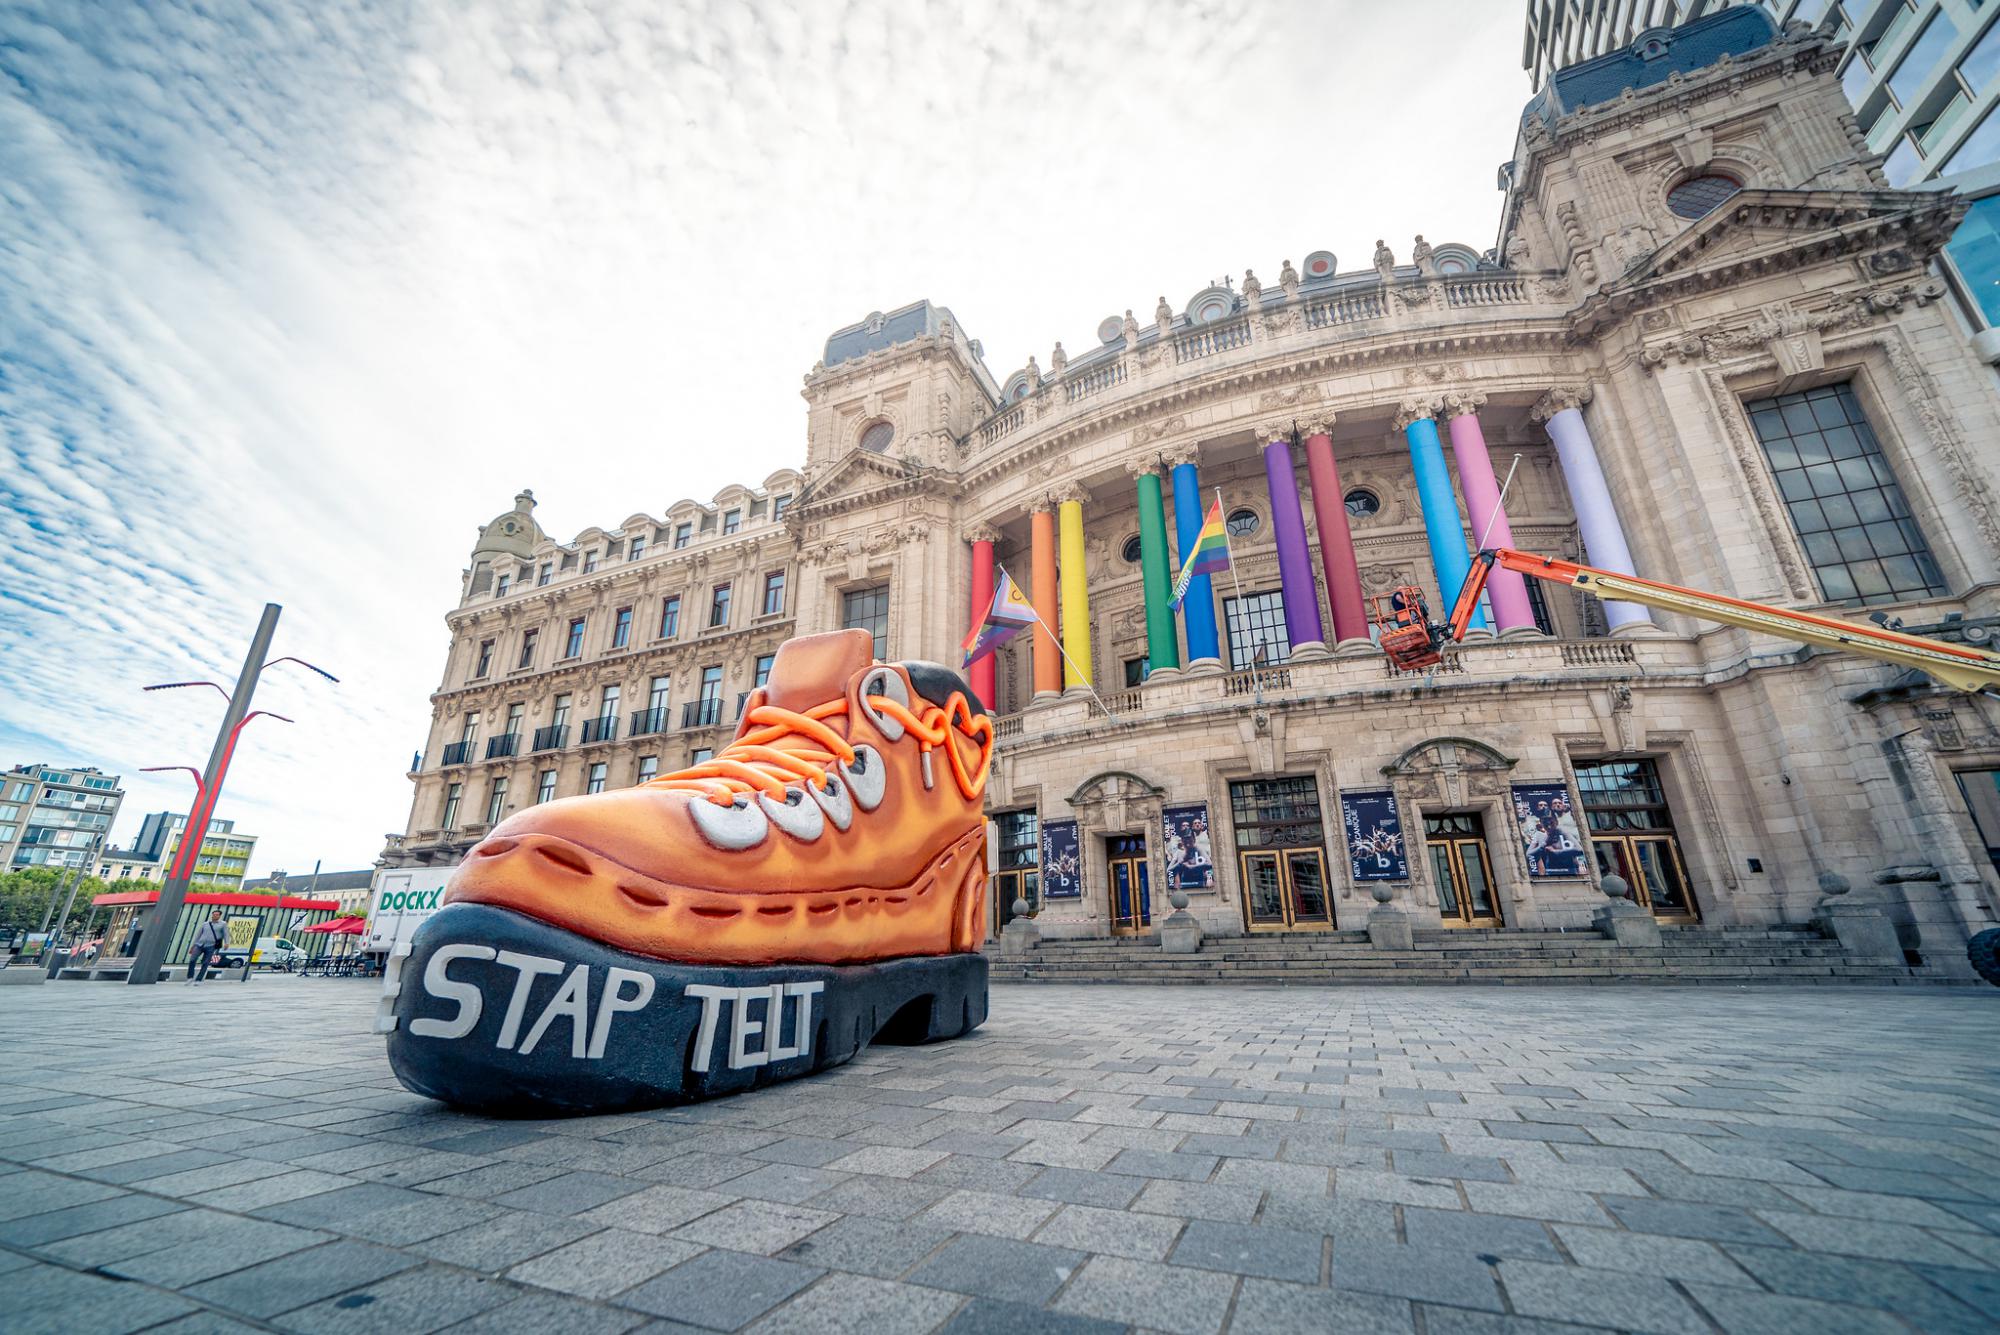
x=791 y=747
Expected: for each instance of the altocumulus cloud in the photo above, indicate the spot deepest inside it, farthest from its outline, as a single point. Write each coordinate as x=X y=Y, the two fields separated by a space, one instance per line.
x=297 y=295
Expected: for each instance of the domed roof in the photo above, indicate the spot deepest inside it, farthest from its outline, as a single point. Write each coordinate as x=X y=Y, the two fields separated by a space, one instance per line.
x=514 y=533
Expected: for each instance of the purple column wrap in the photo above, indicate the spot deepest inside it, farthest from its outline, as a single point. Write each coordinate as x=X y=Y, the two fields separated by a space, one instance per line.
x=1288 y=525
x=1507 y=589
x=1596 y=518
x=1336 y=541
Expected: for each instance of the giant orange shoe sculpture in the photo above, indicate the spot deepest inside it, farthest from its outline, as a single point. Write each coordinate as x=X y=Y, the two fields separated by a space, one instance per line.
x=818 y=885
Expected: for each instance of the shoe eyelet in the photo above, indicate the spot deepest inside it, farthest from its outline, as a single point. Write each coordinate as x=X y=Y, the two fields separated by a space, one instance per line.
x=867 y=779
x=835 y=801
x=740 y=825
x=889 y=684
x=802 y=820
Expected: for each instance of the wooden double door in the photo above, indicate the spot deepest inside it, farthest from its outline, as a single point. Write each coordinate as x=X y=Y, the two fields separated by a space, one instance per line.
x=1131 y=888
x=1461 y=869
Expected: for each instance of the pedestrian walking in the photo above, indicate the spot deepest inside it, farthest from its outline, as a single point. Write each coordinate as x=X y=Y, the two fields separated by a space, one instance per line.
x=208 y=939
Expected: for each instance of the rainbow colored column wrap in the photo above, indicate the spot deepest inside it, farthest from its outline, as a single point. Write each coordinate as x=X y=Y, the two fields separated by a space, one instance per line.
x=1336 y=540
x=1596 y=517
x=982 y=599
x=1441 y=526
x=1075 y=595
x=1507 y=589
x=1198 y=608
x=1042 y=559
x=1288 y=526
x=1163 y=648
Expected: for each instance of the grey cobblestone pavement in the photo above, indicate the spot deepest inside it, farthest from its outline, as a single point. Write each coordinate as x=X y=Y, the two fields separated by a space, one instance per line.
x=1461 y=1161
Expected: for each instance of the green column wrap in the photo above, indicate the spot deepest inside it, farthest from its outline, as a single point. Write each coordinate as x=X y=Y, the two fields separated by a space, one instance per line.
x=1162 y=644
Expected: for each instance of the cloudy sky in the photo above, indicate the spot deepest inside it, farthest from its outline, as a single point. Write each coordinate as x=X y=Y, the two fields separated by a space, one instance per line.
x=295 y=296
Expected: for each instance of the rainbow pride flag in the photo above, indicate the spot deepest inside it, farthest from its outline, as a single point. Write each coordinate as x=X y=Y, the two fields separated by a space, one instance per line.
x=1209 y=554
x=1010 y=614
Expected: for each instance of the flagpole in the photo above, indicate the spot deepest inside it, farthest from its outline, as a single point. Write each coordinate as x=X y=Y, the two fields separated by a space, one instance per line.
x=1256 y=682
x=1081 y=675
x=1498 y=501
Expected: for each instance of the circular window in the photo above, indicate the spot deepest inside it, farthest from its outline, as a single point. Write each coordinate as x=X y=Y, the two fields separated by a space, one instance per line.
x=1132 y=550
x=1361 y=503
x=1453 y=264
x=1241 y=523
x=1698 y=196
x=876 y=438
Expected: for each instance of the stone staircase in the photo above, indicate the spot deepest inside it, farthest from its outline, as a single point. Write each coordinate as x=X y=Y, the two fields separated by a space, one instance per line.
x=1739 y=955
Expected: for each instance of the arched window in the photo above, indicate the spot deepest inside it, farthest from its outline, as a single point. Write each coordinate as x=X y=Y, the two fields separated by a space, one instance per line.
x=876 y=438
x=1699 y=196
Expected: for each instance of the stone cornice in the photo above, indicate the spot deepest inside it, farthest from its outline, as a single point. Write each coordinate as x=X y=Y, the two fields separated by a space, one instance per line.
x=1536 y=331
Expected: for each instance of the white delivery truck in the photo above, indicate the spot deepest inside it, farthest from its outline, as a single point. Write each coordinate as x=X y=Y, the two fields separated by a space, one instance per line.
x=401 y=899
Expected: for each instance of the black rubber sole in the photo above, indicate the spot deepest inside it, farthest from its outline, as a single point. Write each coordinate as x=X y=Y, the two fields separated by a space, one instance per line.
x=496 y=1011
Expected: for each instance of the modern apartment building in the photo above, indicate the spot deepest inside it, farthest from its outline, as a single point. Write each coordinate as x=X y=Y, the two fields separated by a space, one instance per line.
x=1923 y=77
x=225 y=853
x=52 y=817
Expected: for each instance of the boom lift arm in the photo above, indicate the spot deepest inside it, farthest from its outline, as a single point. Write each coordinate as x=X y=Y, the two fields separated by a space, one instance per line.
x=1959 y=666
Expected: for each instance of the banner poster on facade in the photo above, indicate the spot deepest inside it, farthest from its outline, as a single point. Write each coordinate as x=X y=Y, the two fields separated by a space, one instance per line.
x=1549 y=834
x=1375 y=849
x=1190 y=862
x=1062 y=867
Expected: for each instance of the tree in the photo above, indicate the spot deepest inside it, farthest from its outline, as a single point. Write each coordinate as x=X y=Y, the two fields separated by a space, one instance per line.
x=27 y=895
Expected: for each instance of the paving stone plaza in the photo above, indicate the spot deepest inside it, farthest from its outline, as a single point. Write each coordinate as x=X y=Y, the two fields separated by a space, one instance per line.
x=1193 y=1160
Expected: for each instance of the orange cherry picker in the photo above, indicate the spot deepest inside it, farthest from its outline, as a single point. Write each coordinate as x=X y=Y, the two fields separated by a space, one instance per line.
x=1414 y=642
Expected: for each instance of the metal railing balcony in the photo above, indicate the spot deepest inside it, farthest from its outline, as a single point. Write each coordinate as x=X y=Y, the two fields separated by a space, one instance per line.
x=701 y=713
x=504 y=745
x=603 y=728
x=458 y=753
x=552 y=738
x=649 y=721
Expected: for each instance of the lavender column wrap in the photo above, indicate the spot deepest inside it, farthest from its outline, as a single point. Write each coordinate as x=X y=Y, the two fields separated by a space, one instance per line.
x=1288 y=525
x=1596 y=518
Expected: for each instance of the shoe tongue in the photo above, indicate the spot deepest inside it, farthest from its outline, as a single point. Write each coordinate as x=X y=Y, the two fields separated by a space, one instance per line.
x=814 y=669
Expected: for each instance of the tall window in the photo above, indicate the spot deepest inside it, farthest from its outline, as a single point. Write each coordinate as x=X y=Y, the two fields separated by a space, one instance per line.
x=662 y=687
x=711 y=683
x=607 y=704
x=670 y=616
x=1981 y=789
x=470 y=732
x=638 y=548
x=1019 y=858
x=590 y=561
x=683 y=535
x=449 y=819
x=718 y=606
x=596 y=781
x=774 y=593
x=1539 y=605
x=561 y=715
x=501 y=585
x=1135 y=671
x=1842 y=498
x=485 y=659
x=732 y=521
x=1257 y=630
x=496 y=801
x=649 y=768
x=548 y=573
x=1631 y=832
x=515 y=713
x=621 y=628
x=574 y=646
x=545 y=791
x=868 y=609
x=780 y=504
x=764 y=662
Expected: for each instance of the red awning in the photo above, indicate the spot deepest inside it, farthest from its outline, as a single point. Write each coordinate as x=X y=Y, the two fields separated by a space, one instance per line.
x=349 y=926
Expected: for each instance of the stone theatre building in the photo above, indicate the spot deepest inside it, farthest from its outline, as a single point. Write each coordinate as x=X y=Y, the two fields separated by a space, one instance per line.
x=1710 y=346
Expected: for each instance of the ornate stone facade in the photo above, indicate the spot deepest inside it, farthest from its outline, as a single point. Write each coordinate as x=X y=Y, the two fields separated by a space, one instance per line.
x=1607 y=367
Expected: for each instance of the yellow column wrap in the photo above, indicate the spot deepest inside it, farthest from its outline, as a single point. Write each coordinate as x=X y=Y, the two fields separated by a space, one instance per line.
x=1075 y=597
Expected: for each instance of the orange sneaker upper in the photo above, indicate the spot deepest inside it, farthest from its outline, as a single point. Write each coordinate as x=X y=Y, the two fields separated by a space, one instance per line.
x=843 y=824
